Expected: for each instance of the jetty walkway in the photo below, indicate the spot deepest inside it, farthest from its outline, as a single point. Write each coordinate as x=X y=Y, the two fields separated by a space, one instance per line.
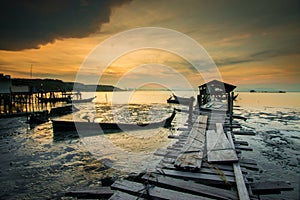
x=204 y=163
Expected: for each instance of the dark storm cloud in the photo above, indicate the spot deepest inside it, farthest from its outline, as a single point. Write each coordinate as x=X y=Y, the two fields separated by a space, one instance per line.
x=27 y=24
x=260 y=56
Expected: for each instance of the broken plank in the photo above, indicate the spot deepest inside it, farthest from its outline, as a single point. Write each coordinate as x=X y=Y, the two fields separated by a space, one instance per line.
x=239 y=117
x=233 y=126
x=207 y=178
x=270 y=187
x=243 y=148
x=123 y=196
x=166 y=153
x=222 y=155
x=192 y=153
x=102 y=192
x=150 y=191
x=238 y=142
x=249 y=166
x=189 y=187
x=218 y=147
x=204 y=170
x=243 y=132
x=248 y=161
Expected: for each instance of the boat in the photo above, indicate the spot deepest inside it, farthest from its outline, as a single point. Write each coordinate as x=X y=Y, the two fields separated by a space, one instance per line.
x=235 y=97
x=39 y=117
x=63 y=110
x=106 y=127
x=80 y=100
x=180 y=100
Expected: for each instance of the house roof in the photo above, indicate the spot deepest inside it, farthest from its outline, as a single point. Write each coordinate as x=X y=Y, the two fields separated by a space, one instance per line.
x=214 y=84
x=5 y=85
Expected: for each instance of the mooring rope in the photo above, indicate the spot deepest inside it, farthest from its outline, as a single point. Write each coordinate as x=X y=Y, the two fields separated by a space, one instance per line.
x=222 y=175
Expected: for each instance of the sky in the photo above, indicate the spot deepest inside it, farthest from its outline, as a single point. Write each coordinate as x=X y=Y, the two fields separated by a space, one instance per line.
x=252 y=44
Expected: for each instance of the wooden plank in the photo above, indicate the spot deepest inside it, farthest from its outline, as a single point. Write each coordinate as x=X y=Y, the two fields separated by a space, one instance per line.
x=243 y=132
x=241 y=186
x=248 y=161
x=192 y=153
x=102 y=192
x=189 y=187
x=270 y=187
x=123 y=196
x=250 y=166
x=245 y=143
x=207 y=178
x=218 y=146
x=150 y=191
x=233 y=126
x=223 y=166
x=222 y=155
x=239 y=117
x=204 y=170
x=243 y=148
x=166 y=153
x=212 y=166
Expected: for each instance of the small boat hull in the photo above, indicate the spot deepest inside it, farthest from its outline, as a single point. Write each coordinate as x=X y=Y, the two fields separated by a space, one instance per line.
x=92 y=128
x=180 y=100
x=81 y=100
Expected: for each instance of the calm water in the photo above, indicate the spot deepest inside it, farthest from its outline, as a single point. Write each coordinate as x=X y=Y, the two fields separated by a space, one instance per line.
x=37 y=165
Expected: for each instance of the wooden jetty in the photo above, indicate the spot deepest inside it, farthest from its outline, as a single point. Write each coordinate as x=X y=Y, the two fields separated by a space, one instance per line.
x=204 y=163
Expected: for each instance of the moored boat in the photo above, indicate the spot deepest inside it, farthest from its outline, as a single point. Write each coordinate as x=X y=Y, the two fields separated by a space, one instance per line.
x=80 y=100
x=63 y=125
x=39 y=117
x=180 y=100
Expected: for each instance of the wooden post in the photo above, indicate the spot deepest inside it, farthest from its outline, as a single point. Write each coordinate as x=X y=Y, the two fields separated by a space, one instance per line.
x=190 y=119
x=239 y=179
x=231 y=110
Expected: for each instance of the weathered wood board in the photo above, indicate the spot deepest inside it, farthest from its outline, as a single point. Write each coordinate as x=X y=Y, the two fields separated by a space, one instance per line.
x=270 y=187
x=192 y=153
x=124 y=196
x=218 y=147
x=151 y=192
x=243 y=133
x=201 y=177
x=189 y=187
x=102 y=192
x=240 y=182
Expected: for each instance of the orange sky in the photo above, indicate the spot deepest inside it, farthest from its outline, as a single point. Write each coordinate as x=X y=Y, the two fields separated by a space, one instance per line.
x=252 y=45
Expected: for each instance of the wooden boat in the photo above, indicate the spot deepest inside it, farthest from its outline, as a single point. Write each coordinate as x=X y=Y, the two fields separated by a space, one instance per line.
x=235 y=97
x=80 y=100
x=180 y=100
x=62 y=126
x=39 y=117
x=63 y=110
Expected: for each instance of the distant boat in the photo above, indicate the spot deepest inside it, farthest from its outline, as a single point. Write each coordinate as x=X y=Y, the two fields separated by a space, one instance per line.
x=80 y=100
x=61 y=125
x=280 y=91
x=235 y=96
x=180 y=100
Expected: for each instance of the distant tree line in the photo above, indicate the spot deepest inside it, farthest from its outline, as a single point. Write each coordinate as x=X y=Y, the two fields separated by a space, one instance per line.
x=59 y=85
